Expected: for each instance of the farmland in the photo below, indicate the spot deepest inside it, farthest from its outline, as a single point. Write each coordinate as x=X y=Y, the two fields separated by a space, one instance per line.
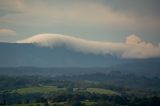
x=54 y=89
x=73 y=91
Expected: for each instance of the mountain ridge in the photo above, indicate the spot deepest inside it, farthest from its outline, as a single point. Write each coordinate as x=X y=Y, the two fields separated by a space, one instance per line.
x=31 y=55
x=13 y=54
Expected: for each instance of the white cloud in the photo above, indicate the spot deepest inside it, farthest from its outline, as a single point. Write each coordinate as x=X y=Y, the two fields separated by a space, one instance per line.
x=42 y=13
x=7 y=32
x=133 y=40
x=134 y=47
x=11 y=6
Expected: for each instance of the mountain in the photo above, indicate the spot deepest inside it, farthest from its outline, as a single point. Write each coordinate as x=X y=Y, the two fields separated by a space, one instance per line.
x=66 y=55
x=68 y=61
x=142 y=67
x=17 y=54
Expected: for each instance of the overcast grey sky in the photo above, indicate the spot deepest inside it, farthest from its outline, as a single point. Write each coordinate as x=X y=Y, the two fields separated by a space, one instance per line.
x=103 y=20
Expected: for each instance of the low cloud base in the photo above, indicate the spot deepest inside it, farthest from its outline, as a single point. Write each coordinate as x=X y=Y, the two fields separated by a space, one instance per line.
x=134 y=47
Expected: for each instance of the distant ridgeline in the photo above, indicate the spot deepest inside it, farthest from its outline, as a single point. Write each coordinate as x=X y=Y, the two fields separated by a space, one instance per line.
x=33 y=55
x=62 y=60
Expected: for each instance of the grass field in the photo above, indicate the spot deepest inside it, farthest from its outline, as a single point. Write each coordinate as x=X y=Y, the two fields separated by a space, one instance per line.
x=102 y=91
x=39 y=89
x=48 y=89
x=31 y=104
x=87 y=103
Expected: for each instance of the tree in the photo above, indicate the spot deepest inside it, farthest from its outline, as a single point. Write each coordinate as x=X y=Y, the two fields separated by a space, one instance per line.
x=46 y=104
x=37 y=104
x=155 y=101
x=76 y=103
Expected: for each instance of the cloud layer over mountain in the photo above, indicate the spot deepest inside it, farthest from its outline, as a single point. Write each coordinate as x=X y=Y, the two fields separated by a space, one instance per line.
x=134 y=47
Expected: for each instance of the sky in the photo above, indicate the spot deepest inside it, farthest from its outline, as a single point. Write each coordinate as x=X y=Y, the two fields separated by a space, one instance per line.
x=100 y=20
